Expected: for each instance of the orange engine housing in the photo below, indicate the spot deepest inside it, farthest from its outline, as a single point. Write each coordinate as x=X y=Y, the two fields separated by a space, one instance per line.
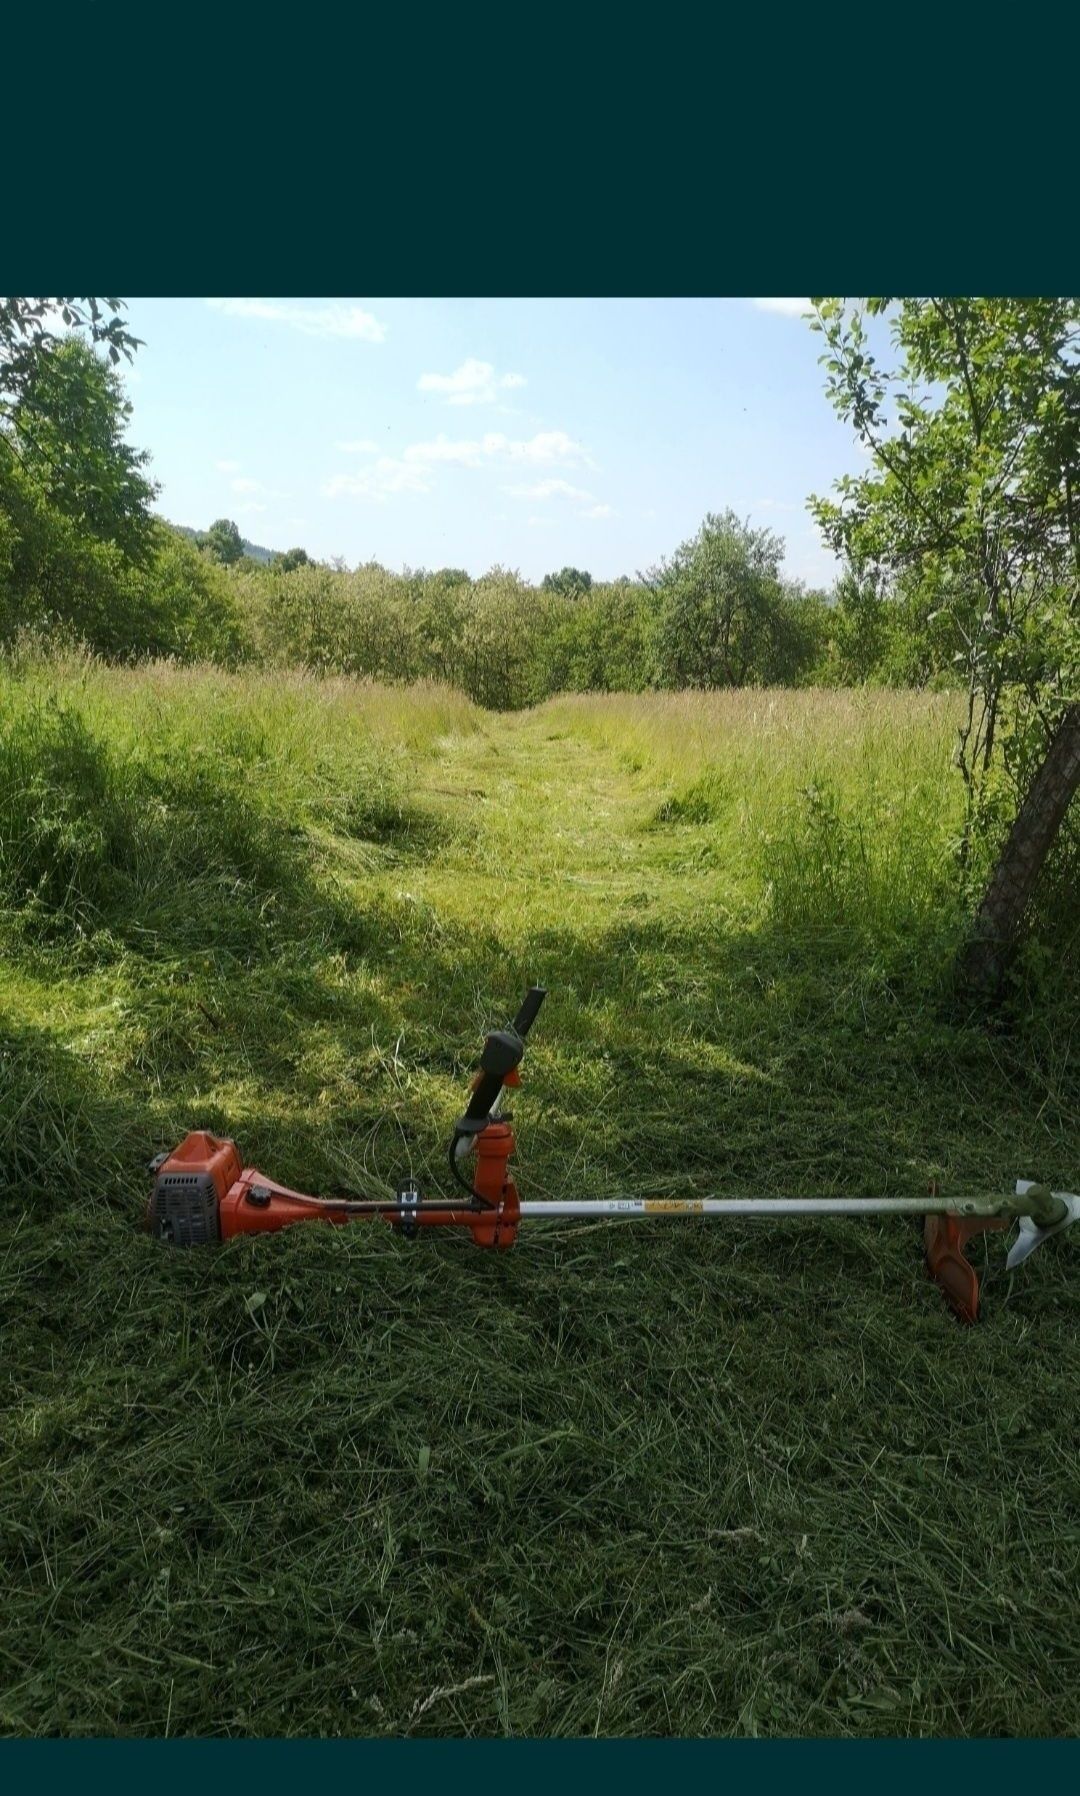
x=189 y=1186
x=201 y=1194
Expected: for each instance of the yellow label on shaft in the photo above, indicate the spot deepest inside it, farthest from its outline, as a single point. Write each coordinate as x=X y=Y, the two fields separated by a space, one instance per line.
x=673 y=1206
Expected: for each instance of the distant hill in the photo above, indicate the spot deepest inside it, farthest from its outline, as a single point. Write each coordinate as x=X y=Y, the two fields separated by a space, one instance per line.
x=255 y=550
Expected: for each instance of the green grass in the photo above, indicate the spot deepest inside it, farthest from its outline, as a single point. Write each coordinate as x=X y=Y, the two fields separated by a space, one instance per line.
x=653 y=1479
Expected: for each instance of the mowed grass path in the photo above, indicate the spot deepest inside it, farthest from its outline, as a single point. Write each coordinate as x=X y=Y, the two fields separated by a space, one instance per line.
x=649 y=1479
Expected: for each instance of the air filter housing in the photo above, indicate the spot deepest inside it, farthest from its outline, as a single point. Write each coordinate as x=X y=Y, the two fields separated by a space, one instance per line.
x=189 y=1185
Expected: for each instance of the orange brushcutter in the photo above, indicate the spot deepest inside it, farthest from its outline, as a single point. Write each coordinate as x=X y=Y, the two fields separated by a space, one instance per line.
x=201 y=1193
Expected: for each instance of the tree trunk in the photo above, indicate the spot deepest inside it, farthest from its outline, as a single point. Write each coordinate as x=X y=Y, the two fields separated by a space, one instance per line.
x=1012 y=881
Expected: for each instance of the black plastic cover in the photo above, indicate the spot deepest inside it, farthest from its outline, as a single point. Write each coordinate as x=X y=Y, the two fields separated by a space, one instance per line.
x=184 y=1209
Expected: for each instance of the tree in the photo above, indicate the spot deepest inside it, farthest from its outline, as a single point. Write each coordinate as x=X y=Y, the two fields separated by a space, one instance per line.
x=32 y=329
x=287 y=559
x=974 y=487
x=62 y=415
x=568 y=581
x=720 y=601
x=222 y=541
x=80 y=552
x=863 y=620
x=67 y=431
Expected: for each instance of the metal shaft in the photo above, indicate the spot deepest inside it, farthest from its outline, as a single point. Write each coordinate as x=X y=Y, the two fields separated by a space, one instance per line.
x=632 y=1207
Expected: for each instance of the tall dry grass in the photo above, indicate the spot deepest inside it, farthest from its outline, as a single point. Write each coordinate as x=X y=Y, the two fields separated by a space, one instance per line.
x=846 y=803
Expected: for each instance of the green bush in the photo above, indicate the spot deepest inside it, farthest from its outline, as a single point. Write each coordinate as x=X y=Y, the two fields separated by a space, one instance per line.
x=57 y=579
x=168 y=816
x=870 y=865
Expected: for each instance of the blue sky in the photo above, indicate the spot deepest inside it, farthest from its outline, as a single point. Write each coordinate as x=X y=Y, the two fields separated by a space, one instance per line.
x=465 y=433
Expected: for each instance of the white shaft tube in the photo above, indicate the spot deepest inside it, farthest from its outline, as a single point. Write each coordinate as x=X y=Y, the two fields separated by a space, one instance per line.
x=633 y=1207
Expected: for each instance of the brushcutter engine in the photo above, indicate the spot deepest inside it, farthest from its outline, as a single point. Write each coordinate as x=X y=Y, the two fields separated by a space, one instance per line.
x=201 y=1193
x=189 y=1186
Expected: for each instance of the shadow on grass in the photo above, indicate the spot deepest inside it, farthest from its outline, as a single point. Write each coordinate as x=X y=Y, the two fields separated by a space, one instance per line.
x=629 y=1480
x=107 y=851
x=336 y=1039
x=65 y=1137
x=723 y=1061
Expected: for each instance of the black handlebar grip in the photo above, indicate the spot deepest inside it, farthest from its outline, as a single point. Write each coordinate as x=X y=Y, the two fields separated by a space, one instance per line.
x=502 y=1052
x=478 y=1109
x=530 y=1007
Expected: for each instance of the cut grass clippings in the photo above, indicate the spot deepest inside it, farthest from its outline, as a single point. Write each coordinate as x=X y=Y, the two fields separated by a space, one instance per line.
x=648 y=1479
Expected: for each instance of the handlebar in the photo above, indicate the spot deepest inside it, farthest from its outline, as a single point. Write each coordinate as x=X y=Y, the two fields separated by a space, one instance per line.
x=529 y=1011
x=502 y=1052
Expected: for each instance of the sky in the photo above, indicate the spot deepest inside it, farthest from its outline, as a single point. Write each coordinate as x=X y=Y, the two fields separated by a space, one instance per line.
x=530 y=434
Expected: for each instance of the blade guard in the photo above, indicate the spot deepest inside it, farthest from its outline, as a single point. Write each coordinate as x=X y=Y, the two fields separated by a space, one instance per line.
x=946 y=1238
x=1029 y=1233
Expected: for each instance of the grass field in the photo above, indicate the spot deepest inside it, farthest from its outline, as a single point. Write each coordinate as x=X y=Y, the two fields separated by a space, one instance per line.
x=653 y=1479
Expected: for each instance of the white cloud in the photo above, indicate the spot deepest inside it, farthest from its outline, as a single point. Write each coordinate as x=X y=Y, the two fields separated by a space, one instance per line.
x=384 y=477
x=245 y=510
x=599 y=511
x=548 y=447
x=470 y=454
x=335 y=320
x=359 y=446
x=227 y=467
x=244 y=485
x=786 y=308
x=414 y=470
x=474 y=383
x=549 y=489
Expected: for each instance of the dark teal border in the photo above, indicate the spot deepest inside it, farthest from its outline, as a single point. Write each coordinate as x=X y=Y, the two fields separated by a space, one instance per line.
x=187 y=149
x=429 y=1766
x=244 y=148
